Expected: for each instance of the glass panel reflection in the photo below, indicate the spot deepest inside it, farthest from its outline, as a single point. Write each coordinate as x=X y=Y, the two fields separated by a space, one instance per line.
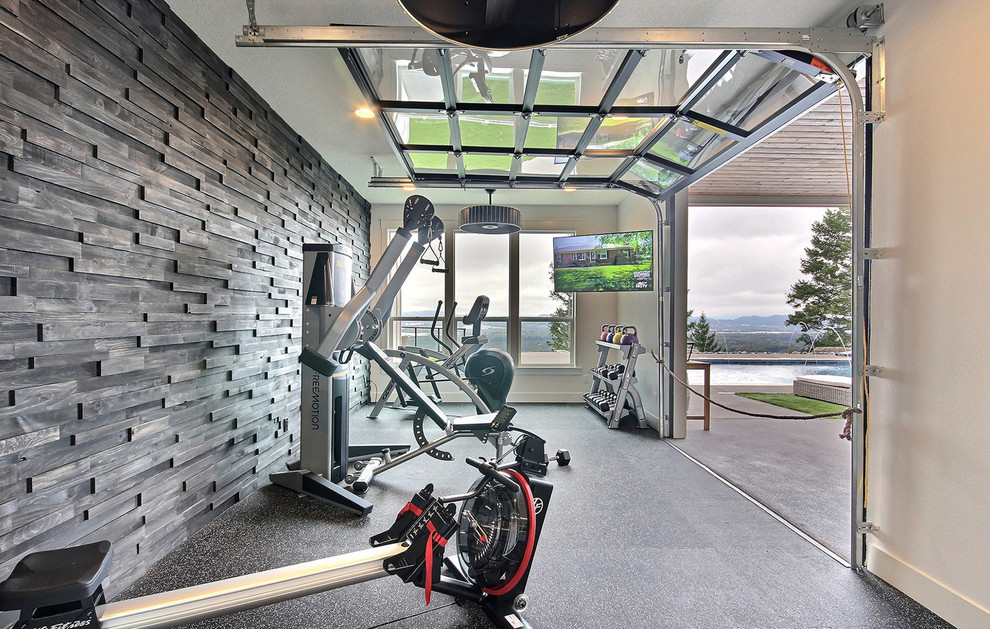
x=407 y=74
x=433 y=162
x=485 y=130
x=662 y=77
x=483 y=76
x=690 y=145
x=550 y=132
x=651 y=178
x=752 y=91
x=482 y=163
x=597 y=167
x=577 y=77
x=622 y=132
x=422 y=128
x=541 y=165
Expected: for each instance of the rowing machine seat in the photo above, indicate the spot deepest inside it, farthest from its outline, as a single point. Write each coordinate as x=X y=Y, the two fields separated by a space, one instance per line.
x=54 y=577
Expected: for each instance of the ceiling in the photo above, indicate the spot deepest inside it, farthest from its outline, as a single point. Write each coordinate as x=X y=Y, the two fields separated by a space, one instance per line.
x=313 y=90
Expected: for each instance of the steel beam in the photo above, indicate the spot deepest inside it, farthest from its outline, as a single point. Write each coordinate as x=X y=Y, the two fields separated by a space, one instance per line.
x=450 y=103
x=816 y=40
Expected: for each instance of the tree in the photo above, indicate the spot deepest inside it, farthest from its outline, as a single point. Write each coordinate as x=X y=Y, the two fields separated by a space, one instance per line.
x=701 y=333
x=823 y=300
x=640 y=242
x=560 y=332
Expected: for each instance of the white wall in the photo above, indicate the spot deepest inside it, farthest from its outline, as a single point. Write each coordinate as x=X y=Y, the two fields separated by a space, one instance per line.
x=534 y=384
x=640 y=308
x=929 y=431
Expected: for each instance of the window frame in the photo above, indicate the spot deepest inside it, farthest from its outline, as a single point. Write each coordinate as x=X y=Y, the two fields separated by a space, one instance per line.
x=513 y=321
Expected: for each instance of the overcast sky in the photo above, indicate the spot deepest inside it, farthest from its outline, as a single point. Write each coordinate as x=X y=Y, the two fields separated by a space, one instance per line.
x=742 y=261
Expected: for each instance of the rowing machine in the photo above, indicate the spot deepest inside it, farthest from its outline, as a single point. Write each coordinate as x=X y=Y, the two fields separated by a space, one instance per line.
x=497 y=532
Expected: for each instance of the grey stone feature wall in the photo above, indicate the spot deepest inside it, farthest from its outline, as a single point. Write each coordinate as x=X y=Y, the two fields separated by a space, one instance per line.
x=152 y=215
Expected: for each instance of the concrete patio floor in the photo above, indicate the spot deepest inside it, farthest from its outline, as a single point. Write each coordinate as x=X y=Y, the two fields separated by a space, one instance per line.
x=800 y=469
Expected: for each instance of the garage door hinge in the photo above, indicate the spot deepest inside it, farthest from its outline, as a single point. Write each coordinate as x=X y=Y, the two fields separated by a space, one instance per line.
x=874 y=253
x=874 y=371
x=867 y=528
x=872 y=117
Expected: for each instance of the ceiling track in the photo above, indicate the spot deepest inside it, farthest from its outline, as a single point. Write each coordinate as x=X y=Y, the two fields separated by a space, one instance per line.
x=814 y=40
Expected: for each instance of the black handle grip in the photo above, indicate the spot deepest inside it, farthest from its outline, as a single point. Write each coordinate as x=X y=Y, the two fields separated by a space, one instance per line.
x=489 y=470
x=440 y=270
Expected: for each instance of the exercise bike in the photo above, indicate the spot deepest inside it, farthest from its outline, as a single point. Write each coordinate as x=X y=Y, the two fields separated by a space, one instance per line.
x=427 y=366
x=495 y=534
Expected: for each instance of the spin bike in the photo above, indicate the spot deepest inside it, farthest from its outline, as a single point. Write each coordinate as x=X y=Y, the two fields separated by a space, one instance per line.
x=495 y=534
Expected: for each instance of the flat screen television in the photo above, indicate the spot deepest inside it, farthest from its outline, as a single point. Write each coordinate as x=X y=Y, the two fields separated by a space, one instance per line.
x=617 y=261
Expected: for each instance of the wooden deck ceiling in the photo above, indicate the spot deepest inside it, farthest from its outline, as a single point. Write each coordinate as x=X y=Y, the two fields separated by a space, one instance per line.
x=802 y=164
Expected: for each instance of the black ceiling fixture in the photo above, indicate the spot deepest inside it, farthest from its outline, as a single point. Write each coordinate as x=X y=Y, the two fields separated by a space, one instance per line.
x=490 y=219
x=506 y=24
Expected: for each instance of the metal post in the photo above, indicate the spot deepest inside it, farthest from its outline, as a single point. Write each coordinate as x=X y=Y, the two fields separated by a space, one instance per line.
x=859 y=323
x=674 y=325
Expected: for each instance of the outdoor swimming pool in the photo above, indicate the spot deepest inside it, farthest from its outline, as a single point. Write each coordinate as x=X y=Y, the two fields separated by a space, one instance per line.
x=755 y=372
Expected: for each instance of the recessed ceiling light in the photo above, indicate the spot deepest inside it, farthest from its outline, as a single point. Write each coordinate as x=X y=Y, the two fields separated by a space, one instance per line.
x=364 y=112
x=570 y=189
x=620 y=117
x=408 y=187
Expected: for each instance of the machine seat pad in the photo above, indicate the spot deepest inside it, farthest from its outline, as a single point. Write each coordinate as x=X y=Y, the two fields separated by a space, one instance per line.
x=473 y=423
x=53 y=577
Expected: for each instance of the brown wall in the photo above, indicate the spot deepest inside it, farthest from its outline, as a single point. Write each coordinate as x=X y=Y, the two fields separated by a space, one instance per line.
x=152 y=211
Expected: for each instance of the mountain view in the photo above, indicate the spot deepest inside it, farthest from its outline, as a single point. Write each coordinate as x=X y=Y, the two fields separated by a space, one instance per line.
x=756 y=334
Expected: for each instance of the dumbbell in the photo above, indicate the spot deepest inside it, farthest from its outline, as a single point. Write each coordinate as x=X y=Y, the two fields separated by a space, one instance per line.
x=563 y=458
x=615 y=371
x=600 y=405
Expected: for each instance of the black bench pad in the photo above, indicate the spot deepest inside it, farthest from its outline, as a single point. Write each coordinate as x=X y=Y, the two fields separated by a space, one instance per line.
x=53 y=577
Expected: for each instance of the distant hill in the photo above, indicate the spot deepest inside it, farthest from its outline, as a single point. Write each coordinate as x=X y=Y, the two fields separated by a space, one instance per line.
x=771 y=323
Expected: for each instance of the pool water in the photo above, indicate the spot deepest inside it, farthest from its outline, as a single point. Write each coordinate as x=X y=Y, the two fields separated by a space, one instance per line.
x=768 y=373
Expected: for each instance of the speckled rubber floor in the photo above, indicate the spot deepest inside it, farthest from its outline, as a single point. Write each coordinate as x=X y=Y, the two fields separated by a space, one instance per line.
x=636 y=536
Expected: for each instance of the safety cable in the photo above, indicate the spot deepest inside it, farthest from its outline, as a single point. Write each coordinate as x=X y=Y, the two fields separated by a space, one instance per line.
x=846 y=414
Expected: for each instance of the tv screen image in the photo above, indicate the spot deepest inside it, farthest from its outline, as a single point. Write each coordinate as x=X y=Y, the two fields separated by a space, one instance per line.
x=618 y=261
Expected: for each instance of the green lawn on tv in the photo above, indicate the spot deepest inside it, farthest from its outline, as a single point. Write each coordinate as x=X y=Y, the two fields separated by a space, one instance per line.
x=601 y=278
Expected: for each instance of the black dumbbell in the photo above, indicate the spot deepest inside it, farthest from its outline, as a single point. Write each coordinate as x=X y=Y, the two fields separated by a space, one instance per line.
x=563 y=458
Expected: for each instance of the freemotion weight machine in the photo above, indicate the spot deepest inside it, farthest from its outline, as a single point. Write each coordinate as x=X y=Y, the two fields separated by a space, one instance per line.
x=324 y=448
x=334 y=327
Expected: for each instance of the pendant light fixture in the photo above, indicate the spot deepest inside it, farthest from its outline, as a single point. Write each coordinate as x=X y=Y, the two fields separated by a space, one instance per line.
x=489 y=219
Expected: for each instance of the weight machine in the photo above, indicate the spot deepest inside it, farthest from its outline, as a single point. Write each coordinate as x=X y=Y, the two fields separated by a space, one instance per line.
x=335 y=328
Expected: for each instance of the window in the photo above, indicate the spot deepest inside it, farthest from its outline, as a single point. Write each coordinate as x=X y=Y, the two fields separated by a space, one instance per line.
x=603 y=255
x=581 y=256
x=481 y=267
x=525 y=316
x=546 y=318
x=415 y=305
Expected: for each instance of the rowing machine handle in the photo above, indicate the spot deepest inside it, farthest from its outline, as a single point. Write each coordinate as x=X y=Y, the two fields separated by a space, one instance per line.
x=489 y=470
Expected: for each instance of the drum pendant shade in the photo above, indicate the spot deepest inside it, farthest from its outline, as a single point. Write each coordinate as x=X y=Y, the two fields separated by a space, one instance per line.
x=489 y=219
x=506 y=24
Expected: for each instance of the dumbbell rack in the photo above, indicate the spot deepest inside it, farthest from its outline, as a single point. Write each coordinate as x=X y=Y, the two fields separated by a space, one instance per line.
x=622 y=386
